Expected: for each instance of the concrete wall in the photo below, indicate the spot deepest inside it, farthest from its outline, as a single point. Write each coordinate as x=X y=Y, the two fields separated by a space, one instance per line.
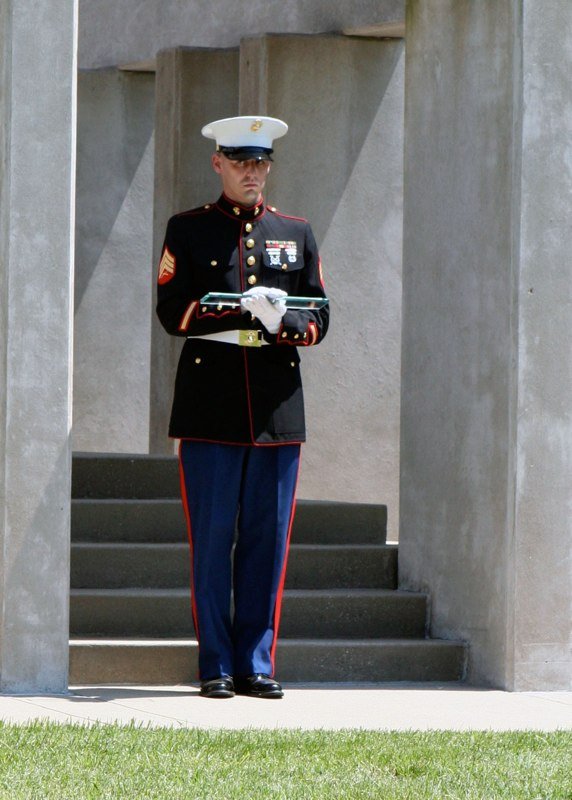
x=543 y=546
x=486 y=431
x=37 y=164
x=114 y=33
x=341 y=167
x=114 y=235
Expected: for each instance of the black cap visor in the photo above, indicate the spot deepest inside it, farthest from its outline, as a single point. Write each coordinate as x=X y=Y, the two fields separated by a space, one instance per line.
x=247 y=153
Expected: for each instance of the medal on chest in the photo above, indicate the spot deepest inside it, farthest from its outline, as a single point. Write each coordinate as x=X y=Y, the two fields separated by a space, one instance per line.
x=274 y=248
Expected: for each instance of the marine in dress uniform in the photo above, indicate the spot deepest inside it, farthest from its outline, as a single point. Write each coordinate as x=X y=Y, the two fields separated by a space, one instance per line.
x=238 y=407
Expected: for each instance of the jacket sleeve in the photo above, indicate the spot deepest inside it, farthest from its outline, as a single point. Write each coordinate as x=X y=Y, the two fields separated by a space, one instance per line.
x=179 y=290
x=306 y=328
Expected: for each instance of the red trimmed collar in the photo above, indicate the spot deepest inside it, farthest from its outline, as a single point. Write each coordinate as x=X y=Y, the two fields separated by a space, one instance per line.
x=238 y=212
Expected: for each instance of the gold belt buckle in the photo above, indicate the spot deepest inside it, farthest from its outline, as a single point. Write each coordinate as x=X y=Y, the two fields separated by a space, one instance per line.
x=249 y=338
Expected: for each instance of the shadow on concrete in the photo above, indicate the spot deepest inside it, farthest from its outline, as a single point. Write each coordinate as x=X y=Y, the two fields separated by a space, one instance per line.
x=106 y=694
x=115 y=124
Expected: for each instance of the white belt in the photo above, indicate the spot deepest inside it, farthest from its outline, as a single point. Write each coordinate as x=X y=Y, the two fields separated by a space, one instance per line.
x=246 y=338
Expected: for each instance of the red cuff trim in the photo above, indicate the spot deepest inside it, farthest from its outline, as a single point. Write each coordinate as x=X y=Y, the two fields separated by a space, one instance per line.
x=297 y=338
x=186 y=318
x=309 y=338
x=215 y=311
x=312 y=333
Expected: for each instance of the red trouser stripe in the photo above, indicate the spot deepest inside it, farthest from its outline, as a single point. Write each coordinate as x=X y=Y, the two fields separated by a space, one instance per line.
x=190 y=535
x=278 y=606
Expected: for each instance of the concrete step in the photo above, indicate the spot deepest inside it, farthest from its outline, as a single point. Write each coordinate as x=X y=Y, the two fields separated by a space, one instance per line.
x=328 y=522
x=135 y=520
x=97 y=565
x=358 y=613
x=175 y=661
x=161 y=519
x=106 y=475
x=345 y=566
x=342 y=617
x=129 y=476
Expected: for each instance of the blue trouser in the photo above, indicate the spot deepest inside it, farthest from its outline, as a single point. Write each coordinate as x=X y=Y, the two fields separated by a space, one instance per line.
x=251 y=491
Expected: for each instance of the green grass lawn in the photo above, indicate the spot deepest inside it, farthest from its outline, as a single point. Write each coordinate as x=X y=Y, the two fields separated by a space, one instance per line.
x=46 y=760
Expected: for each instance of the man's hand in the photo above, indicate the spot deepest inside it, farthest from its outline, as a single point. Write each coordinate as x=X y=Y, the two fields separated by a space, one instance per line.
x=267 y=304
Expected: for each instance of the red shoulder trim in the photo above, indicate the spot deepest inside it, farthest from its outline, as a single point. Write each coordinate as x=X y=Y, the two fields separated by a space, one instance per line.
x=286 y=216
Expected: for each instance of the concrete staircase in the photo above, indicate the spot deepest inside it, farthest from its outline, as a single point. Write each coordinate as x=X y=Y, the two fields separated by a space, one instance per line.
x=343 y=618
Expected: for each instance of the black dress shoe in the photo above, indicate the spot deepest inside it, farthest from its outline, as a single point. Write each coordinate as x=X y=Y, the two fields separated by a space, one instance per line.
x=259 y=685
x=217 y=687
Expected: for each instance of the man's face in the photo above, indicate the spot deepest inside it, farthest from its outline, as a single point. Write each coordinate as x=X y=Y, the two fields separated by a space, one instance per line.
x=242 y=181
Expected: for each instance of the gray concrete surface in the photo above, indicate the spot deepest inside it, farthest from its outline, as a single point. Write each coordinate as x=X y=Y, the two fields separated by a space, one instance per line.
x=487 y=368
x=543 y=547
x=114 y=261
x=326 y=706
x=37 y=166
x=117 y=33
x=341 y=167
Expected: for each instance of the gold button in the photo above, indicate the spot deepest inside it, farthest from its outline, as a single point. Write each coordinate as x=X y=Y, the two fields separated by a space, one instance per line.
x=284 y=334
x=284 y=266
x=214 y=263
x=236 y=210
x=248 y=227
x=250 y=243
x=251 y=261
x=292 y=363
x=219 y=308
x=257 y=211
x=252 y=280
x=272 y=208
x=208 y=205
x=296 y=335
x=197 y=360
x=203 y=309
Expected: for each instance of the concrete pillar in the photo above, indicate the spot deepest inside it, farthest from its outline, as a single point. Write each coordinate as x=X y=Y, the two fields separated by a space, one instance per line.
x=341 y=167
x=37 y=165
x=486 y=426
x=193 y=87
x=114 y=241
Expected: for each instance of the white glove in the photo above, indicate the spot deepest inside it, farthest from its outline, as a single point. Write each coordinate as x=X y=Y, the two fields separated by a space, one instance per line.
x=265 y=291
x=266 y=304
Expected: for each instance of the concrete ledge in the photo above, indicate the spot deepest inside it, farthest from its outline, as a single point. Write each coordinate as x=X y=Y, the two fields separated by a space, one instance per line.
x=176 y=661
x=381 y=30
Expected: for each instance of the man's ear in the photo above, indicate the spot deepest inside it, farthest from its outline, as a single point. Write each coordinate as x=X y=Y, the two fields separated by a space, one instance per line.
x=215 y=161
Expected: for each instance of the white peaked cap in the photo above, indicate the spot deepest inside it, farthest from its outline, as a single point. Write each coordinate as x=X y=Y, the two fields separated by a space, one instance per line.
x=245 y=131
